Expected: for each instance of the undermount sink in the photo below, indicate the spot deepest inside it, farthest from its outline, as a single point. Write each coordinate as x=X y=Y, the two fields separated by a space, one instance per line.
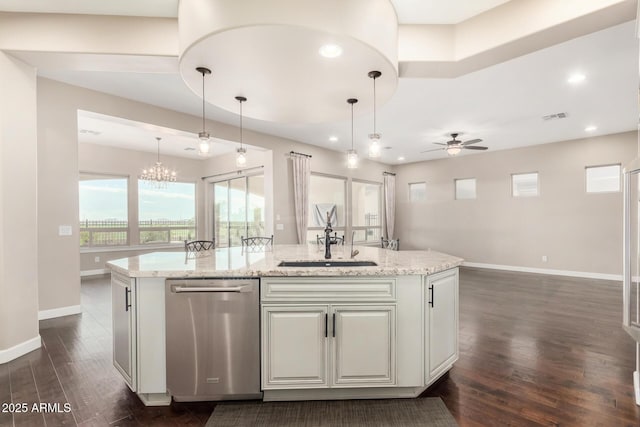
x=328 y=263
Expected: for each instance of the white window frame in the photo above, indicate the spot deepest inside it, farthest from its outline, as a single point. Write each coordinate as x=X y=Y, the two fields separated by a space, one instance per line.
x=228 y=179
x=365 y=227
x=517 y=196
x=347 y=205
x=425 y=191
x=586 y=178
x=92 y=230
x=475 y=188
x=163 y=228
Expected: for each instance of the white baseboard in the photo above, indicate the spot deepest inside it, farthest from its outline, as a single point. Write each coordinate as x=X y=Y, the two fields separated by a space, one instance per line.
x=59 y=312
x=20 y=349
x=97 y=272
x=582 y=274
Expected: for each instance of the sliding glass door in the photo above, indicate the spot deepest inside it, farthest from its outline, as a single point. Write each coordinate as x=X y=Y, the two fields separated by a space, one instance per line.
x=238 y=209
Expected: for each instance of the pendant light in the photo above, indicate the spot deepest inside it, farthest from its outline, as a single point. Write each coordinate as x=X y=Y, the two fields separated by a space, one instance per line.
x=241 y=153
x=374 y=138
x=158 y=175
x=204 y=147
x=352 y=155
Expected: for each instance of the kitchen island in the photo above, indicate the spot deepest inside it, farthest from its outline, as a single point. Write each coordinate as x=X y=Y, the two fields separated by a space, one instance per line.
x=330 y=332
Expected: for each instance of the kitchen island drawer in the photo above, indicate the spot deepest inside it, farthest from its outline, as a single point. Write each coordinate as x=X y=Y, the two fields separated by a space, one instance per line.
x=300 y=289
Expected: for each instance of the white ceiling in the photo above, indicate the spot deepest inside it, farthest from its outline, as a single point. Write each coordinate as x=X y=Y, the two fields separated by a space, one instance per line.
x=441 y=12
x=502 y=104
x=409 y=11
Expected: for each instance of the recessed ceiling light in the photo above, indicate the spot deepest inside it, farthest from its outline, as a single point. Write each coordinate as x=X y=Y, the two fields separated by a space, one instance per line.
x=330 y=50
x=333 y=138
x=576 y=78
x=401 y=158
x=590 y=128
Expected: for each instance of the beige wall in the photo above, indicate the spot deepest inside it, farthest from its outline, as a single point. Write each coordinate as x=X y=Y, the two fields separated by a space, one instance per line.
x=575 y=230
x=18 y=189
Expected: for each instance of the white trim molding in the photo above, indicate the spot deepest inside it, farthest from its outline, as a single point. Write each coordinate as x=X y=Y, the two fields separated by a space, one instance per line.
x=97 y=272
x=582 y=274
x=20 y=349
x=59 y=312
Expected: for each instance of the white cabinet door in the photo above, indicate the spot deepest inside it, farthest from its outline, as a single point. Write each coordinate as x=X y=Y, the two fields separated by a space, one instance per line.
x=294 y=346
x=442 y=292
x=123 y=317
x=363 y=345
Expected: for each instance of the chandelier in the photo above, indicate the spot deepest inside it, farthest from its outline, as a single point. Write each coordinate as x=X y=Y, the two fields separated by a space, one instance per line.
x=158 y=175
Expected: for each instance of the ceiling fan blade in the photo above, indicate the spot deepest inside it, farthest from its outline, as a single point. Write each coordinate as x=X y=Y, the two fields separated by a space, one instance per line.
x=440 y=143
x=471 y=141
x=435 y=149
x=475 y=147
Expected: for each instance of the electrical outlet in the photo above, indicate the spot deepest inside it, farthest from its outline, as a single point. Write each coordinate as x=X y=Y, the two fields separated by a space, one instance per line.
x=96 y=259
x=544 y=258
x=279 y=227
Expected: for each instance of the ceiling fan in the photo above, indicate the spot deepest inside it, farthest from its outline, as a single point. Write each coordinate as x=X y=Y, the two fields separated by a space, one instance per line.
x=454 y=146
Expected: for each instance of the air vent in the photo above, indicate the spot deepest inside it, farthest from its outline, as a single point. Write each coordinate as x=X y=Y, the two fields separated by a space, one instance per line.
x=556 y=116
x=90 y=132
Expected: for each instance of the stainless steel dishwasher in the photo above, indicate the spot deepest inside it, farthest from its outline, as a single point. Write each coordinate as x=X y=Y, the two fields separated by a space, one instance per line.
x=213 y=339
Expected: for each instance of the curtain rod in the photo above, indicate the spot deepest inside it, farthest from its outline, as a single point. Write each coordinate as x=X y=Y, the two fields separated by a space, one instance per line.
x=299 y=154
x=238 y=172
x=388 y=173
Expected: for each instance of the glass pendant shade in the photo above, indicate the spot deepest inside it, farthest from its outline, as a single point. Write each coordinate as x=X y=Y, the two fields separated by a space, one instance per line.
x=204 y=146
x=352 y=159
x=374 y=138
x=452 y=151
x=374 y=145
x=352 y=155
x=241 y=157
x=241 y=152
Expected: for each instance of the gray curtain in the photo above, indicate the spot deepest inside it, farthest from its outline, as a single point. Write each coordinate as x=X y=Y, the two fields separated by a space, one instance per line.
x=301 y=181
x=389 y=203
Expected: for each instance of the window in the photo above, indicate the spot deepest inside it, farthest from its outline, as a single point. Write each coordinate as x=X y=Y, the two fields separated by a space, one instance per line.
x=326 y=194
x=417 y=191
x=238 y=209
x=366 y=211
x=465 y=188
x=524 y=184
x=167 y=215
x=103 y=210
x=603 y=179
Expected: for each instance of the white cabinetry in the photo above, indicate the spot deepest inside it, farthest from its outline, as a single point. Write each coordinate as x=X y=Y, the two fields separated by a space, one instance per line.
x=364 y=345
x=294 y=351
x=124 y=331
x=442 y=323
x=332 y=344
x=137 y=306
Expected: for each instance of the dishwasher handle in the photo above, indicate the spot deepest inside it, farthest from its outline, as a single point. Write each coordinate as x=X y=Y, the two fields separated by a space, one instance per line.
x=184 y=289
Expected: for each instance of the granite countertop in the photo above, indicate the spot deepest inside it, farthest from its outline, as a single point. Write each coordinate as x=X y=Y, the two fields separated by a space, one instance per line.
x=236 y=262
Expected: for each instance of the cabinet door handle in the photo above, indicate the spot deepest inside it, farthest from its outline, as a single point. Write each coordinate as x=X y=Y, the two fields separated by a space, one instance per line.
x=334 y=325
x=433 y=295
x=326 y=325
x=126 y=299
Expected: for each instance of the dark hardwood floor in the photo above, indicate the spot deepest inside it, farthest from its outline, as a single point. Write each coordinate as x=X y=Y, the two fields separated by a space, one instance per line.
x=540 y=350
x=534 y=350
